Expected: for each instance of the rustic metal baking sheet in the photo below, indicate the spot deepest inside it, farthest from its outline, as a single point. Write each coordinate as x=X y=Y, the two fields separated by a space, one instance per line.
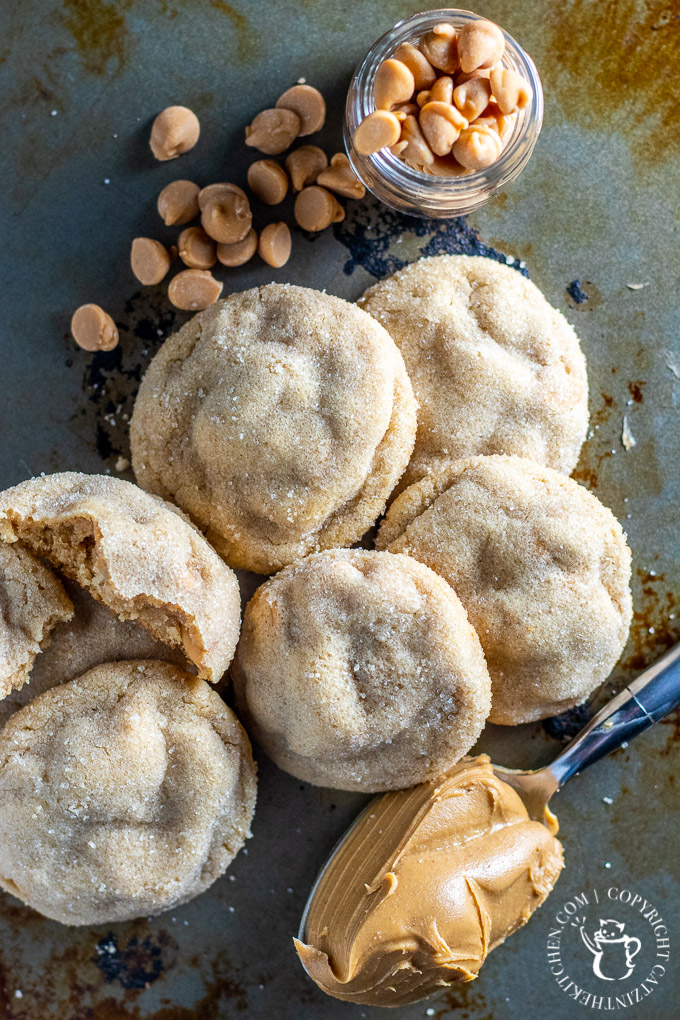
x=592 y=218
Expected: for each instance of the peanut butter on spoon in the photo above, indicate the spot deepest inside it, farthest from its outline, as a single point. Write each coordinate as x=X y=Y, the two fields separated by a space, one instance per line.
x=427 y=882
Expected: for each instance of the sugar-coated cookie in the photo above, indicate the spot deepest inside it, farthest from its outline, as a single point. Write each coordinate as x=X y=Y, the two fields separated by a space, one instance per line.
x=122 y=793
x=541 y=566
x=494 y=367
x=280 y=420
x=359 y=670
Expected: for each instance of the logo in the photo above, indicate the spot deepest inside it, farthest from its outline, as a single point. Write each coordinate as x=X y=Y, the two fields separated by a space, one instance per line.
x=608 y=948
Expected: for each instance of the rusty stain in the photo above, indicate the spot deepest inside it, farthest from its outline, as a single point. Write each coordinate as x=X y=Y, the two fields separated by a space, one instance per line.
x=587 y=469
x=673 y=738
x=246 y=38
x=598 y=84
x=655 y=627
x=99 y=32
x=635 y=390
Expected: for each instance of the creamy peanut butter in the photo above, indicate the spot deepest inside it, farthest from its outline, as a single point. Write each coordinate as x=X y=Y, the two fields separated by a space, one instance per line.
x=424 y=886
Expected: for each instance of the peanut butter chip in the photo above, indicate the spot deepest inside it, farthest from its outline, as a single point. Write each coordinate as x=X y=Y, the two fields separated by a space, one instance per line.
x=268 y=181
x=394 y=83
x=227 y=217
x=315 y=209
x=273 y=131
x=275 y=244
x=219 y=190
x=150 y=260
x=174 y=131
x=194 y=289
x=341 y=179
x=239 y=253
x=93 y=329
x=309 y=105
x=178 y=202
x=418 y=64
x=440 y=48
x=379 y=129
x=472 y=97
x=196 y=249
x=441 y=125
x=304 y=165
x=417 y=152
x=510 y=90
x=442 y=90
x=477 y=147
x=480 y=44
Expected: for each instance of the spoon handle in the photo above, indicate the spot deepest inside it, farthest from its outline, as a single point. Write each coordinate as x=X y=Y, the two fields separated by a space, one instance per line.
x=643 y=702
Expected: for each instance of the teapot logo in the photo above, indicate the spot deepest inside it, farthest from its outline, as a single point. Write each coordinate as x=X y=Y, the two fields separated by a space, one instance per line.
x=613 y=950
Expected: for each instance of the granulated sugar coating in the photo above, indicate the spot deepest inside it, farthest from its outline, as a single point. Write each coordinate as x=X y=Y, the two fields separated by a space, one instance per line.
x=360 y=671
x=137 y=554
x=32 y=602
x=494 y=367
x=279 y=419
x=541 y=566
x=122 y=794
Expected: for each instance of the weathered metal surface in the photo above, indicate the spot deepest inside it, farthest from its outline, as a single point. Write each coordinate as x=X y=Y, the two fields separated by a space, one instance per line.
x=594 y=212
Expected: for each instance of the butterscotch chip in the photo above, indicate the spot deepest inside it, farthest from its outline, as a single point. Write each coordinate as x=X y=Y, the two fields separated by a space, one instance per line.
x=178 y=202
x=377 y=131
x=192 y=290
x=275 y=244
x=441 y=125
x=136 y=553
x=394 y=83
x=494 y=367
x=309 y=105
x=472 y=97
x=240 y=252
x=280 y=419
x=93 y=329
x=441 y=91
x=174 y=131
x=480 y=44
x=479 y=72
x=541 y=566
x=416 y=151
x=402 y=110
x=273 y=131
x=125 y=792
x=423 y=73
x=196 y=249
x=32 y=603
x=510 y=90
x=477 y=146
x=268 y=181
x=341 y=179
x=150 y=260
x=440 y=48
x=219 y=191
x=315 y=209
x=226 y=216
x=304 y=165
x=359 y=670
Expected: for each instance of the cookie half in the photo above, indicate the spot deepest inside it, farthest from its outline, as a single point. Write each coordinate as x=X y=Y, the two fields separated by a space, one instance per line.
x=494 y=367
x=280 y=420
x=122 y=794
x=136 y=553
x=541 y=566
x=360 y=671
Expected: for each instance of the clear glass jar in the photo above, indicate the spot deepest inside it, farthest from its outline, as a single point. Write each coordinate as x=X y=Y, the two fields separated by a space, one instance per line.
x=409 y=190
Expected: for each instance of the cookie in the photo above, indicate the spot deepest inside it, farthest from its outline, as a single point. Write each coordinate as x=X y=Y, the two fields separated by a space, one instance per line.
x=279 y=420
x=494 y=367
x=122 y=794
x=92 y=636
x=137 y=554
x=541 y=566
x=359 y=670
x=32 y=603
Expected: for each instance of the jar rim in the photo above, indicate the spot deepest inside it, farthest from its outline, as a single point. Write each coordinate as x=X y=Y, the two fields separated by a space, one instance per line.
x=399 y=174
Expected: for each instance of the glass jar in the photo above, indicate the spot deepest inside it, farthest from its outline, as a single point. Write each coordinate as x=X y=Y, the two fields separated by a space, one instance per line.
x=409 y=190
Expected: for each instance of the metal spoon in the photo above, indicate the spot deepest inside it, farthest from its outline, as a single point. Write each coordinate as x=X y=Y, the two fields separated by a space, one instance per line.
x=646 y=700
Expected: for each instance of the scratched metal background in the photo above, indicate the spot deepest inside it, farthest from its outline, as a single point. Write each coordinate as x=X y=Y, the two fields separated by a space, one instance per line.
x=596 y=209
